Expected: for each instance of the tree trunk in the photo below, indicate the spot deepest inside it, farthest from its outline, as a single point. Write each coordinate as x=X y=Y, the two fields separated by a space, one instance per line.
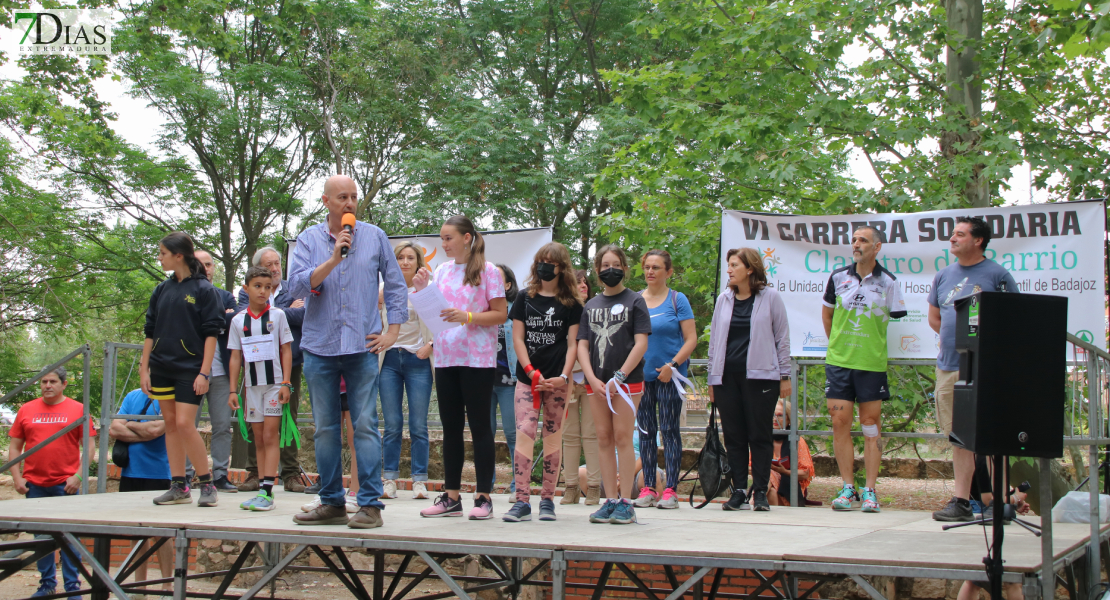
x=965 y=90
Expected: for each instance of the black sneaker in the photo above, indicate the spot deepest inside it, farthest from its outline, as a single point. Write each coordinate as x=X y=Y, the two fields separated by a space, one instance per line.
x=957 y=509
x=759 y=501
x=314 y=488
x=223 y=485
x=738 y=501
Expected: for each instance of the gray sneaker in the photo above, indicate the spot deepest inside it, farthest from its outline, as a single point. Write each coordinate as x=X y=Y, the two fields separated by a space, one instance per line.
x=179 y=493
x=547 y=509
x=956 y=510
x=207 y=495
x=261 y=502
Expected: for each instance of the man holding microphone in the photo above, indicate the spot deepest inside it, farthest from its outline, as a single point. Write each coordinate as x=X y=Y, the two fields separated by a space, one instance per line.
x=335 y=266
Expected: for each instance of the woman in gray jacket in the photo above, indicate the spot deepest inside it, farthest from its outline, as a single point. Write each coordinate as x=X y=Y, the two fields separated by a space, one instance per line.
x=749 y=370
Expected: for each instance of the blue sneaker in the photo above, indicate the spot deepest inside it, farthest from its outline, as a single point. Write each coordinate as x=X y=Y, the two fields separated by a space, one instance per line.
x=845 y=499
x=521 y=511
x=261 y=502
x=869 y=502
x=605 y=513
x=547 y=509
x=624 y=514
x=43 y=591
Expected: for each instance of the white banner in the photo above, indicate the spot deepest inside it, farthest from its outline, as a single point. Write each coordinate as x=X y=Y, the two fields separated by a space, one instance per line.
x=1054 y=249
x=513 y=247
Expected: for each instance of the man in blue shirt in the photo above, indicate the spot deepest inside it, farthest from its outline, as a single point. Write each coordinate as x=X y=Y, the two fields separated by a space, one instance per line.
x=341 y=323
x=148 y=467
x=973 y=272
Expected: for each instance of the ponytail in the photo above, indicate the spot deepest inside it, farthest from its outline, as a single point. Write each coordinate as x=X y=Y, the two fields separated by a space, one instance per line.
x=179 y=242
x=476 y=260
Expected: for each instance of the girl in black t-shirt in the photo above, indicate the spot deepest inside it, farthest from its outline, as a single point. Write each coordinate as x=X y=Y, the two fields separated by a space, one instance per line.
x=545 y=324
x=612 y=339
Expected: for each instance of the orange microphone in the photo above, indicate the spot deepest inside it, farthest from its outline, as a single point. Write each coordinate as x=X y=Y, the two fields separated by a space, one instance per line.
x=348 y=225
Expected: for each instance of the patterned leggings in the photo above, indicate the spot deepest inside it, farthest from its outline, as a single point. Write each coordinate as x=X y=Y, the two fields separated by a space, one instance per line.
x=666 y=397
x=554 y=406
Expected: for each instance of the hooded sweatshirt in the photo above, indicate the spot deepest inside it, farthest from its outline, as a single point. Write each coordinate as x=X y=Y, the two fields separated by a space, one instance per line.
x=180 y=316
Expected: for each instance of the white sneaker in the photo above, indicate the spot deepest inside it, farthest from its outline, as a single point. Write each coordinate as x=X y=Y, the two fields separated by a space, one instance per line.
x=311 y=506
x=419 y=490
x=352 y=502
x=389 y=489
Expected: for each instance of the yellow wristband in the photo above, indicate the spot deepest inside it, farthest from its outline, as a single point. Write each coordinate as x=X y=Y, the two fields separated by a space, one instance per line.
x=469 y=317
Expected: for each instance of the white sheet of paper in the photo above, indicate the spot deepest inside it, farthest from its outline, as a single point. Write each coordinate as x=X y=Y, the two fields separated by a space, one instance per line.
x=257 y=348
x=428 y=303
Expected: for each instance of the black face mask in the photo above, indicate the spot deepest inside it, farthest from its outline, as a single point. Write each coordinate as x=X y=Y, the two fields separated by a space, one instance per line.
x=546 y=271
x=779 y=437
x=611 y=276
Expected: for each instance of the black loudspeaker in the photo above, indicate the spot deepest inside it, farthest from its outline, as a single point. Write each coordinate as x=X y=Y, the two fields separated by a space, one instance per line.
x=1010 y=395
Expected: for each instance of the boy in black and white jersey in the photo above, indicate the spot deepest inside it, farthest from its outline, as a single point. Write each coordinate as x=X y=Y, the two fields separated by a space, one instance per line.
x=261 y=342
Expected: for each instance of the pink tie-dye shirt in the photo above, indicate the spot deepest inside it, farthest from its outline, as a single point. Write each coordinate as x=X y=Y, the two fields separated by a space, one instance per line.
x=470 y=345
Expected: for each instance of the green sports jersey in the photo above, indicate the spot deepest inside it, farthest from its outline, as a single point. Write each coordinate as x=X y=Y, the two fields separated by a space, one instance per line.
x=862 y=309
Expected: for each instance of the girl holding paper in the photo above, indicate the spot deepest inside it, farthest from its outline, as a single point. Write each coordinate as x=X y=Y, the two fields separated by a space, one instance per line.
x=612 y=339
x=545 y=318
x=665 y=367
x=749 y=368
x=465 y=361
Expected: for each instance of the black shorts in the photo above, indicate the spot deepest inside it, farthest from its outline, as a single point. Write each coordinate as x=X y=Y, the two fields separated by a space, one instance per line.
x=174 y=388
x=137 y=484
x=343 y=406
x=842 y=383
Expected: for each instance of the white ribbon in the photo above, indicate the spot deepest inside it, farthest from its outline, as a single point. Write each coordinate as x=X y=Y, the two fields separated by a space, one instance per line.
x=678 y=380
x=627 y=398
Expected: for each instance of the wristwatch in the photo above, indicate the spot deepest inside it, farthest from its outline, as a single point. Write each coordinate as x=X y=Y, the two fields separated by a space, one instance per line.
x=674 y=364
x=565 y=378
x=785 y=378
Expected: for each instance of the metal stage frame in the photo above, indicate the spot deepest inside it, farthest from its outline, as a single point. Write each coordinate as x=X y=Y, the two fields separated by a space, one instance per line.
x=782 y=579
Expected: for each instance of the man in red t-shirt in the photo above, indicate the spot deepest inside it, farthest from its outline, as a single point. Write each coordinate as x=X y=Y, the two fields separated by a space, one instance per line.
x=55 y=469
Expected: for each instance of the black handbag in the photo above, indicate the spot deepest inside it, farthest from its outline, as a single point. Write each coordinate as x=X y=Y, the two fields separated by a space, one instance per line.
x=121 y=450
x=714 y=473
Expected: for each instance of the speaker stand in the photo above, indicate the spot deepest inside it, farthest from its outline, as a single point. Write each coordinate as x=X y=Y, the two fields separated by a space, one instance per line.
x=1000 y=503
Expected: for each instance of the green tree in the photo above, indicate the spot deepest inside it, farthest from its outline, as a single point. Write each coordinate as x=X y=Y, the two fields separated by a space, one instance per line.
x=529 y=128
x=377 y=74
x=228 y=79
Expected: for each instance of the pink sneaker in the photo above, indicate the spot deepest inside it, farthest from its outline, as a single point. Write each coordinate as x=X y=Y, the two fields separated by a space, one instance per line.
x=444 y=507
x=483 y=509
x=647 y=498
x=669 y=499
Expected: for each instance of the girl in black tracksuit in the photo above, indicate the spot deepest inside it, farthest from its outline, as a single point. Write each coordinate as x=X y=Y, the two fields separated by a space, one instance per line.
x=183 y=319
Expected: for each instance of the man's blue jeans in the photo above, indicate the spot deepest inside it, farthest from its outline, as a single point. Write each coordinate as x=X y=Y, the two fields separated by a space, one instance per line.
x=503 y=397
x=360 y=372
x=48 y=575
x=402 y=372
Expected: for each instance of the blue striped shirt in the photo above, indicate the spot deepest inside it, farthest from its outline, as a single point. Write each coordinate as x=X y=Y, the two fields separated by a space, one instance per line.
x=343 y=310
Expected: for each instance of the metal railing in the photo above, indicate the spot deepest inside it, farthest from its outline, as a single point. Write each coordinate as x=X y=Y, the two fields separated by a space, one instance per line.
x=1089 y=369
x=109 y=404
x=86 y=353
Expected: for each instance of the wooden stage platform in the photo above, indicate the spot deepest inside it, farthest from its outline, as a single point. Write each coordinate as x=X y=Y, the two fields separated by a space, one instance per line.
x=782 y=547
